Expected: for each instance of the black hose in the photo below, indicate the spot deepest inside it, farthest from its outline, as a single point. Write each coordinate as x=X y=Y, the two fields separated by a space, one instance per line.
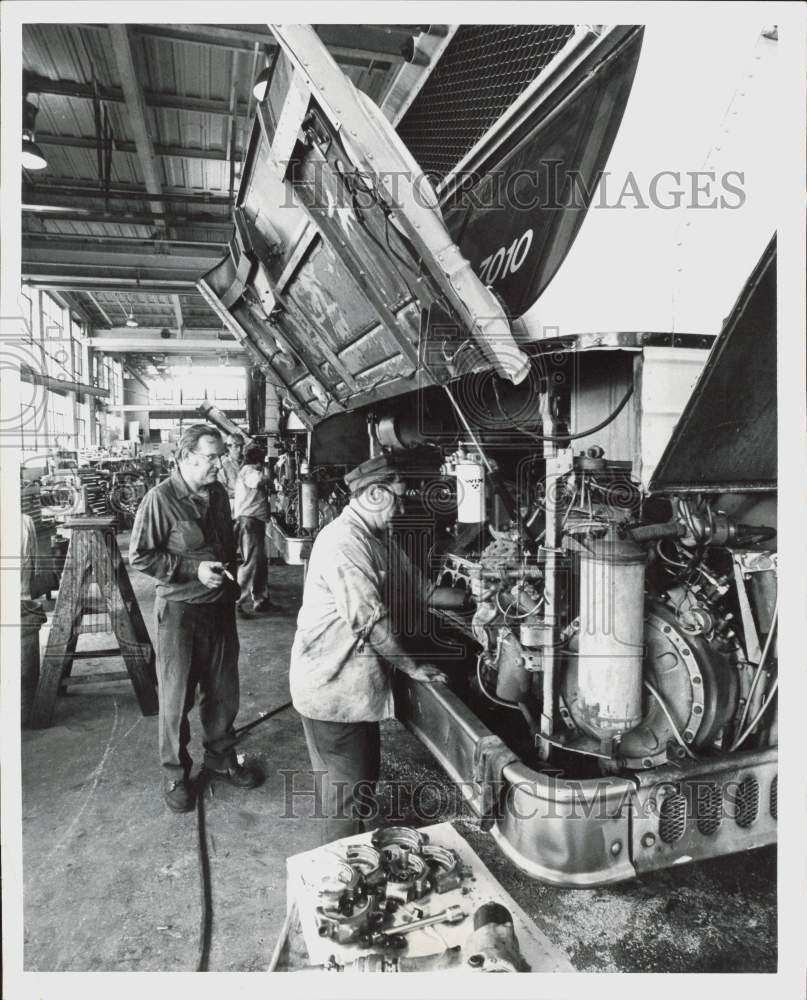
x=578 y=434
x=243 y=730
x=591 y=430
x=206 y=929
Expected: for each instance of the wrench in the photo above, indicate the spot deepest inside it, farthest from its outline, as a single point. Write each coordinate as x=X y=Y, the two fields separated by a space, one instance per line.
x=450 y=915
x=393 y=937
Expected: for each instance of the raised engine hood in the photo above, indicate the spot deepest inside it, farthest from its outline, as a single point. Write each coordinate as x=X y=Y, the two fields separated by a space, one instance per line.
x=726 y=437
x=342 y=280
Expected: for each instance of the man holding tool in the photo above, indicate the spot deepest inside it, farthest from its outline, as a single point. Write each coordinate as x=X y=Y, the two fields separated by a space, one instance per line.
x=348 y=639
x=183 y=537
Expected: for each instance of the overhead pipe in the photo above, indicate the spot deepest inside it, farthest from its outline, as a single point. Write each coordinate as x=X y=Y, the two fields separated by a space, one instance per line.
x=220 y=419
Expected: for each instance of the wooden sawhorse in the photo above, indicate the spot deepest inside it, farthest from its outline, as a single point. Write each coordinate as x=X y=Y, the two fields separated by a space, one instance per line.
x=94 y=556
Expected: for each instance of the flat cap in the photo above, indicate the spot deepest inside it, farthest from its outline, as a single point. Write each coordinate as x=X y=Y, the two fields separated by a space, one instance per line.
x=375 y=470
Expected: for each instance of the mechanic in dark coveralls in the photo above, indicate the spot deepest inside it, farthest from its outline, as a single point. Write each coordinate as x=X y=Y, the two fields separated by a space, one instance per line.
x=347 y=642
x=183 y=537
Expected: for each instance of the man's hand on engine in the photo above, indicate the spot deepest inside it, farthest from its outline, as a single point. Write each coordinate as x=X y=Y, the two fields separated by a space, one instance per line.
x=426 y=674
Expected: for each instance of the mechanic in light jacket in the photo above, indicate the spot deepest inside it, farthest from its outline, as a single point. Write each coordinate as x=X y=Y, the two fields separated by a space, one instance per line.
x=348 y=641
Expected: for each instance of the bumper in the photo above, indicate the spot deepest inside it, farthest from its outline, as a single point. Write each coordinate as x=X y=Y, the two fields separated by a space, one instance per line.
x=595 y=831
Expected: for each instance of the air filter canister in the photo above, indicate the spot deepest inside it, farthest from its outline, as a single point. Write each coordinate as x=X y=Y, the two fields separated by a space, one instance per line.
x=611 y=645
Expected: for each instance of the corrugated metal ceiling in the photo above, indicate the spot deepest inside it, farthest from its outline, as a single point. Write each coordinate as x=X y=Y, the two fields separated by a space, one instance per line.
x=207 y=64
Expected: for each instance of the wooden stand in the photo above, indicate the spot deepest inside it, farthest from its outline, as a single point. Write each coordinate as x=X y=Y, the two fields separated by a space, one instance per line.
x=93 y=556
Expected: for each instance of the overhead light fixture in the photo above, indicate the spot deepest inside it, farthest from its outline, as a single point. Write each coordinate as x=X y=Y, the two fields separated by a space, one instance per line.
x=260 y=87
x=131 y=322
x=32 y=156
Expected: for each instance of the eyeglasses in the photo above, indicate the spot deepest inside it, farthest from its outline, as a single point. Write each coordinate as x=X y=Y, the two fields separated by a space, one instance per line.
x=388 y=488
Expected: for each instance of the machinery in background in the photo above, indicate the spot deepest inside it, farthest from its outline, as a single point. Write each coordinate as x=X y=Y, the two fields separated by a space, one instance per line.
x=101 y=486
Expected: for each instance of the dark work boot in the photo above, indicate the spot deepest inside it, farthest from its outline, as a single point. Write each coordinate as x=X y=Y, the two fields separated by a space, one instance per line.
x=178 y=794
x=249 y=776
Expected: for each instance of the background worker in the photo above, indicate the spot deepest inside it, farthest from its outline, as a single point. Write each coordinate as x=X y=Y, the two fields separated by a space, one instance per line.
x=348 y=641
x=230 y=464
x=183 y=537
x=252 y=513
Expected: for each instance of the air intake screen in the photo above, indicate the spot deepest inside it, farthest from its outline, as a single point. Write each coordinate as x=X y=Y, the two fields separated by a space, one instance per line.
x=483 y=70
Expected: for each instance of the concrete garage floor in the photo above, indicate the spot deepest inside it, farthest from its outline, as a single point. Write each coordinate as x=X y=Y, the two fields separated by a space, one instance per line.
x=112 y=877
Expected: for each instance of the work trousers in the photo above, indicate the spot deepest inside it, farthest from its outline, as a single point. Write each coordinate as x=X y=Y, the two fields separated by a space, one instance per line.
x=350 y=755
x=253 y=573
x=197 y=646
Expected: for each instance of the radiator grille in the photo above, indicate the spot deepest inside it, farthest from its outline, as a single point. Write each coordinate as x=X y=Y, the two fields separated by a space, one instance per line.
x=746 y=802
x=672 y=818
x=483 y=70
x=709 y=806
x=774 y=796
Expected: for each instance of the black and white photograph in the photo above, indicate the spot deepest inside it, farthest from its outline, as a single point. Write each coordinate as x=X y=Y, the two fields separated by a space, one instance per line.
x=403 y=498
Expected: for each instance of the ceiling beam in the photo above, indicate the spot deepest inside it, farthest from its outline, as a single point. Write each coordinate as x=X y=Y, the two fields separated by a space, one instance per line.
x=89 y=189
x=36 y=84
x=136 y=112
x=215 y=333
x=42 y=276
x=99 y=307
x=65 y=214
x=133 y=343
x=80 y=252
x=375 y=40
x=60 y=385
x=120 y=146
x=149 y=242
x=165 y=411
x=231 y=123
x=178 y=360
x=350 y=44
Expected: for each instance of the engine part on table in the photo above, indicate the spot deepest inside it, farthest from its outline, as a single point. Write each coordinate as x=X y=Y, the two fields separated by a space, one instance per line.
x=493 y=945
x=407 y=874
x=399 y=836
x=351 y=923
x=611 y=637
x=448 y=959
x=332 y=881
x=446 y=871
x=368 y=861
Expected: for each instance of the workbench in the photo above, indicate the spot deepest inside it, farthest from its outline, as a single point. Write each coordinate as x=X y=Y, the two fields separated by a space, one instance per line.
x=301 y=947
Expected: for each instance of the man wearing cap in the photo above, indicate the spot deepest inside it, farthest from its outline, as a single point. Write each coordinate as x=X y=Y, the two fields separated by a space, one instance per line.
x=348 y=641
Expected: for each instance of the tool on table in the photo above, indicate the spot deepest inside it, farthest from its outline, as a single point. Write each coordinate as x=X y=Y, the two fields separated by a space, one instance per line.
x=493 y=946
x=393 y=937
x=448 y=959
